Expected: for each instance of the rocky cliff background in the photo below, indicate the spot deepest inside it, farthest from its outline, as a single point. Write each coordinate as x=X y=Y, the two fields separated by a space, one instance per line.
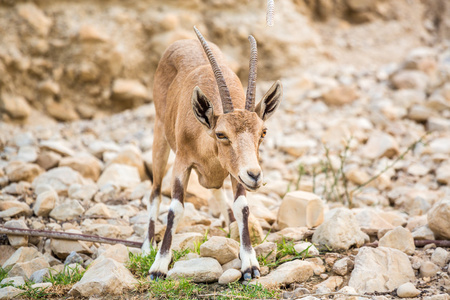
x=81 y=59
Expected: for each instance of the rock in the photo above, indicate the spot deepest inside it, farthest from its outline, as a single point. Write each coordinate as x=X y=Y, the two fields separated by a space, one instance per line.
x=440 y=257
x=300 y=209
x=39 y=275
x=63 y=112
x=73 y=258
x=380 y=270
x=23 y=254
x=229 y=276
x=343 y=266
x=407 y=290
x=17 y=241
x=100 y=210
x=14 y=208
x=287 y=273
x=68 y=210
x=35 y=18
x=439 y=145
x=105 y=230
x=27 y=154
x=10 y=292
x=340 y=95
x=370 y=218
x=295 y=147
x=399 y=238
x=15 y=106
x=105 y=277
x=85 y=164
x=131 y=156
x=129 y=89
x=7 y=251
x=409 y=79
x=268 y=250
x=97 y=148
x=120 y=175
x=234 y=264
x=438 y=297
x=60 y=179
x=288 y=234
x=45 y=203
x=439 y=218
x=443 y=174
x=302 y=246
x=59 y=146
x=428 y=269
x=22 y=171
x=181 y=241
x=16 y=281
x=202 y=270
x=63 y=248
x=379 y=145
x=254 y=227
x=48 y=159
x=42 y=285
x=91 y=33
x=27 y=268
x=82 y=192
x=117 y=252
x=221 y=248
x=332 y=283
x=339 y=231
x=438 y=124
x=423 y=233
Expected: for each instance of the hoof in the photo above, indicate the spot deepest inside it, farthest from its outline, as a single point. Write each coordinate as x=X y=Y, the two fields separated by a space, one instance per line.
x=157 y=275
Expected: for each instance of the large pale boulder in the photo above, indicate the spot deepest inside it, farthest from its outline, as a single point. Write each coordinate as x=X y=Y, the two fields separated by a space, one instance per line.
x=23 y=254
x=380 y=270
x=60 y=179
x=130 y=156
x=27 y=268
x=204 y=269
x=62 y=248
x=12 y=208
x=86 y=164
x=68 y=210
x=105 y=277
x=340 y=231
x=300 y=209
x=399 y=238
x=22 y=171
x=221 y=248
x=287 y=273
x=439 y=218
x=45 y=203
x=121 y=175
x=10 y=292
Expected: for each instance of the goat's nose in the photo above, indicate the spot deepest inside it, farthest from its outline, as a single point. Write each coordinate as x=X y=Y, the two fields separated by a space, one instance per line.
x=254 y=175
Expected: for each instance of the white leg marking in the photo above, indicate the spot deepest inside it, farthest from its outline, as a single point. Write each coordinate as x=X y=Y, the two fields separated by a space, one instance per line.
x=247 y=254
x=153 y=212
x=163 y=258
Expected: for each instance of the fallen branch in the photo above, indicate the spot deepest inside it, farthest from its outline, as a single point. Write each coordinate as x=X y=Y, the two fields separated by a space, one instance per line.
x=67 y=236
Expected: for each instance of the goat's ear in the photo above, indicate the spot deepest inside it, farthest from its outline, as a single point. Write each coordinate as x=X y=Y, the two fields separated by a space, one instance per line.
x=269 y=103
x=202 y=108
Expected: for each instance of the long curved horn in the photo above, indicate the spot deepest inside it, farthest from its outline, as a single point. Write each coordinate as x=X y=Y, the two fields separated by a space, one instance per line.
x=251 y=88
x=224 y=92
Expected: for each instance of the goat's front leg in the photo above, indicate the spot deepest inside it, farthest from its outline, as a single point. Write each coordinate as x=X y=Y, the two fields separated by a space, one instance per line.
x=180 y=178
x=250 y=265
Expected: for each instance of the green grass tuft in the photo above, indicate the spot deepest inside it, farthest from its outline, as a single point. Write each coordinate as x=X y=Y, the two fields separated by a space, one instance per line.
x=4 y=274
x=140 y=264
x=34 y=293
x=173 y=289
x=68 y=275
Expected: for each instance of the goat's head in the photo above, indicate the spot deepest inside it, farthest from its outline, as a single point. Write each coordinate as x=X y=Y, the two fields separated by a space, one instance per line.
x=238 y=132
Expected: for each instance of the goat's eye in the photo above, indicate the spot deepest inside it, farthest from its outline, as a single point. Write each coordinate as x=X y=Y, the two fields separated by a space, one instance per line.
x=263 y=134
x=221 y=136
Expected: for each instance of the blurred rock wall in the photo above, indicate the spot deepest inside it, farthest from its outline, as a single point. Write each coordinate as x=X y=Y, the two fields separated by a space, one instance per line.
x=72 y=59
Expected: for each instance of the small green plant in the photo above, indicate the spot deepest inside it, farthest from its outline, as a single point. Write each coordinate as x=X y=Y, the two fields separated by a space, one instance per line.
x=177 y=255
x=173 y=289
x=4 y=273
x=263 y=260
x=140 y=264
x=285 y=248
x=68 y=275
x=199 y=243
x=34 y=293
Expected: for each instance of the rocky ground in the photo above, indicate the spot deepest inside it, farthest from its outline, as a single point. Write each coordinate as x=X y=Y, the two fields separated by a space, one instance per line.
x=356 y=162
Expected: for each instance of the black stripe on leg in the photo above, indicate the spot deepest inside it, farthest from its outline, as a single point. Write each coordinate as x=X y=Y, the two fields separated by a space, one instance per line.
x=178 y=191
x=151 y=232
x=231 y=215
x=245 y=232
x=240 y=191
x=167 y=240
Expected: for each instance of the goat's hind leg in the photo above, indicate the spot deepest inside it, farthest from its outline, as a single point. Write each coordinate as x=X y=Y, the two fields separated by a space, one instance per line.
x=181 y=173
x=160 y=155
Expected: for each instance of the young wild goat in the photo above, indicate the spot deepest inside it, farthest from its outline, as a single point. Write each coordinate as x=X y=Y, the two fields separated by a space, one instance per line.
x=204 y=117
